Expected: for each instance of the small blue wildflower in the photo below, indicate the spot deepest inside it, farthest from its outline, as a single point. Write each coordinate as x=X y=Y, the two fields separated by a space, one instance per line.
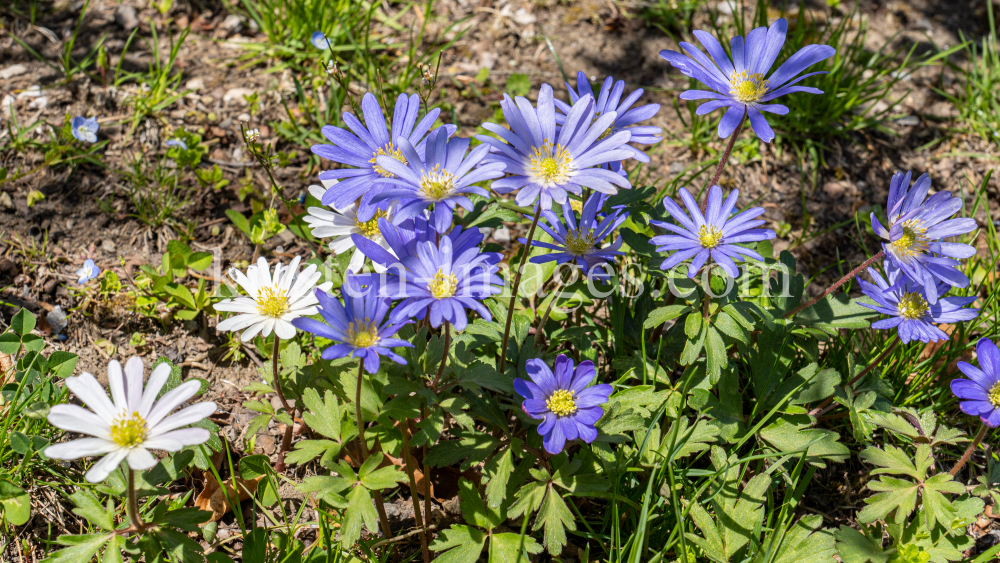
x=909 y=310
x=610 y=99
x=441 y=180
x=320 y=40
x=981 y=392
x=356 y=326
x=85 y=129
x=546 y=161
x=578 y=242
x=88 y=271
x=739 y=83
x=361 y=145
x=916 y=228
x=177 y=143
x=567 y=407
x=714 y=234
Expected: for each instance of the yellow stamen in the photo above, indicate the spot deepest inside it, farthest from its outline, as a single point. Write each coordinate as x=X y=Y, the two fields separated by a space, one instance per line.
x=994 y=394
x=128 y=432
x=912 y=306
x=747 y=87
x=913 y=241
x=388 y=150
x=561 y=403
x=607 y=131
x=369 y=229
x=362 y=333
x=576 y=205
x=443 y=285
x=437 y=184
x=272 y=302
x=550 y=165
x=580 y=243
x=709 y=236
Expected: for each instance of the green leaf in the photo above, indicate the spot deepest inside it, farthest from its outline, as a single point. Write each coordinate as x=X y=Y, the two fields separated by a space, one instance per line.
x=10 y=343
x=503 y=548
x=555 y=517
x=470 y=447
x=716 y=354
x=254 y=466
x=239 y=220
x=360 y=509
x=459 y=544
x=661 y=315
x=15 y=504
x=855 y=547
x=62 y=364
x=23 y=322
x=199 y=261
x=835 y=312
x=498 y=470
x=816 y=385
x=81 y=548
x=383 y=478
x=187 y=519
x=474 y=510
x=92 y=510
x=805 y=542
x=894 y=495
x=793 y=433
x=323 y=416
x=729 y=326
x=529 y=498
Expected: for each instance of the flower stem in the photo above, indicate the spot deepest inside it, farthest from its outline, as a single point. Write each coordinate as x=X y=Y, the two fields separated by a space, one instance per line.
x=517 y=284
x=427 y=477
x=723 y=160
x=286 y=441
x=825 y=406
x=850 y=275
x=540 y=331
x=133 y=504
x=379 y=505
x=444 y=356
x=968 y=451
x=418 y=519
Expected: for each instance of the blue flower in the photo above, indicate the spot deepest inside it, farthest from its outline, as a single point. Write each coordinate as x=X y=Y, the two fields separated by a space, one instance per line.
x=739 y=83
x=400 y=241
x=578 y=241
x=715 y=234
x=567 y=407
x=320 y=40
x=546 y=161
x=356 y=326
x=441 y=180
x=363 y=144
x=906 y=303
x=916 y=228
x=177 y=143
x=87 y=272
x=981 y=392
x=443 y=279
x=85 y=129
x=610 y=99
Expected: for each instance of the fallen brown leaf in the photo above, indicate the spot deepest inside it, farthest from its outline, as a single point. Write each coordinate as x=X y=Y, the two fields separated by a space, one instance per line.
x=214 y=500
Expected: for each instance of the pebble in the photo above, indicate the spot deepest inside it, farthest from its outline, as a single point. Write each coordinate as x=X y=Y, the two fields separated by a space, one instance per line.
x=57 y=319
x=243 y=117
x=12 y=71
x=125 y=17
x=909 y=121
x=236 y=95
x=195 y=84
x=502 y=235
x=108 y=246
x=5 y=201
x=232 y=23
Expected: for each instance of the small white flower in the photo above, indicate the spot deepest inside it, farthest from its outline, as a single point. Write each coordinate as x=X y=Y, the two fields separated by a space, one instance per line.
x=342 y=223
x=274 y=302
x=134 y=423
x=252 y=135
x=332 y=68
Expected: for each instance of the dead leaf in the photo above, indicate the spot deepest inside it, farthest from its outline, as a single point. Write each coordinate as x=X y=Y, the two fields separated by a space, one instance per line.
x=6 y=366
x=213 y=499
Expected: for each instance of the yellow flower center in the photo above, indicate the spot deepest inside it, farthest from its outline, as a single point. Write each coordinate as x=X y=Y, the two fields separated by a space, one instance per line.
x=607 y=131
x=580 y=243
x=388 y=150
x=709 y=236
x=550 y=165
x=994 y=394
x=576 y=205
x=912 y=306
x=443 y=285
x=561 y=403
x=437 y=184
x=747 y=87
x=272 y=302
x=128 y=432
x=362 y=334
x=369 y=229
x=913 y=240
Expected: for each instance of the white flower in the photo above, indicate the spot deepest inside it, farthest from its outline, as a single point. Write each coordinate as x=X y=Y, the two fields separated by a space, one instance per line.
x=131 y=425
x=252 y=135
x=342 y=223
x=274 y=302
